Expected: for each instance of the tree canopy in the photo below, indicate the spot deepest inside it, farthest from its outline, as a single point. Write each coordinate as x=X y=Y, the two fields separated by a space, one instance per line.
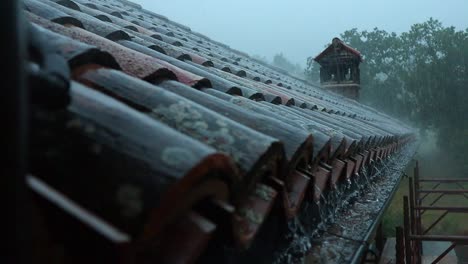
x=280 y=61
x=420 y=76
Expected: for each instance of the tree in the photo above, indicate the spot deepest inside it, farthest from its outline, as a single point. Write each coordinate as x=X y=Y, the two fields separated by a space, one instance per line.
x=260 y=58
x=312 y=72
x=420 y=75
x=280 y=61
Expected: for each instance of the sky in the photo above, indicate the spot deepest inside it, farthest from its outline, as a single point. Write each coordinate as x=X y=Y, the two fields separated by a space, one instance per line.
x=301 y=28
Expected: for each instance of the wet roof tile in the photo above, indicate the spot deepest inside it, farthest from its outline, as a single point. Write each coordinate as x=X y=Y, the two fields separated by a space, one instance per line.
x=219 y=104
x=247 y=147
x=48 y=12
x=93 y=24
x=76 y=53
x=108 y=131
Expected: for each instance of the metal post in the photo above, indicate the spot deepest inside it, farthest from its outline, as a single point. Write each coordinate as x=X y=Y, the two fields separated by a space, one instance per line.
x=13 y=104
x=411 y=204
x=416 y=182
x=407 y=229
x=414 y=221
x=418 y=201
x=400 y=245
x=379 y=239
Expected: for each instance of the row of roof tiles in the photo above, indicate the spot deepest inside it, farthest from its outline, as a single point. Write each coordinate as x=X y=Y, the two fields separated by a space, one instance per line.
x=162 y=117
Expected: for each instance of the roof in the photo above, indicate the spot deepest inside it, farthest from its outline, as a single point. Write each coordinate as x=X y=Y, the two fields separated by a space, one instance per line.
x=176 y=140
x=338 y=43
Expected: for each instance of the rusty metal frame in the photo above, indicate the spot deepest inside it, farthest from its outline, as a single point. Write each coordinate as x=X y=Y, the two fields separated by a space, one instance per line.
x=410 y=237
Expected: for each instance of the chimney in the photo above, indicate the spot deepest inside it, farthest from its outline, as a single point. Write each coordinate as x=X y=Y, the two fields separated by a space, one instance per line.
x=339 y=69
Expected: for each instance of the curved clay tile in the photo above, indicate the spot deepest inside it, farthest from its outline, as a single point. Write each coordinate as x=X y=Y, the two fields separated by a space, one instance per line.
x=138 y=174
x=300 y=103
x=93 y=24
x=118 y=14
x=269 y=94
x=201 y=60
x=203 y=50
x=232 y=68
x=87 y=10
x=350 y=129
x=131 y=62
x=106 y=17
x=186 y=77
x=267 y=164
x=298 y=155
x=271 y=98
x=322 y=142
x=154 y=44
x=114 y=11
x=248 y=148
x=342 y=139
x=336 y=139
x=251 y=94
x=241 y=73
x=167 y=39
x=297 y=142
x=76 y=53
x=215 y=81
x=160 y=30
x=252 y=213
x=69 y=4
x=98 y=6
x=365 y=126
x=88 y=4
x=47 y=12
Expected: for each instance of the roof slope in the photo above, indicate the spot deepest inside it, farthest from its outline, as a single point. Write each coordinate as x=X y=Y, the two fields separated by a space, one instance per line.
x=171 y=136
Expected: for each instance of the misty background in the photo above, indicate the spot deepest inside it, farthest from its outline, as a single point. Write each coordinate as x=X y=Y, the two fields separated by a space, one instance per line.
x=301 y=28
x=415 y=55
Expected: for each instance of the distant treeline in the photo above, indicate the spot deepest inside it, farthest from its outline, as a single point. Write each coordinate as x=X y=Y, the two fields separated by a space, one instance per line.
x=421 y=76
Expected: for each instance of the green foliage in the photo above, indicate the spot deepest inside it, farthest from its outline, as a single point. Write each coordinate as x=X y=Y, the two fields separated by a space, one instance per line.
x=419 y=76
x=312 y=72
x=280 y=61
x=260 y=58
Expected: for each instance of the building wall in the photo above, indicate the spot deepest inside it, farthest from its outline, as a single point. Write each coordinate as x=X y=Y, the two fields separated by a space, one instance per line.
x=351 y=91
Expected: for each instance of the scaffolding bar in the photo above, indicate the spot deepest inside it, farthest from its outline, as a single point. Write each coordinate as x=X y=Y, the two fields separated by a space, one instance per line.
x=462 y=240
x=445 y=191
x=457 y=209
x=441 y=256
x=449 y=180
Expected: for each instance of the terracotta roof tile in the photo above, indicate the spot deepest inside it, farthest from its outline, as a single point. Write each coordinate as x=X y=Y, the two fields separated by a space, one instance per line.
x=261 y=143
x=48 y=12
x=248 y=148
x=118 y=141
x=76 y=53
x=93 y=24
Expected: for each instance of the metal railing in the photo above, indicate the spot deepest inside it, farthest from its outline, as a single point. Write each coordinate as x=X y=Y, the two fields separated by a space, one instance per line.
x=410 y=237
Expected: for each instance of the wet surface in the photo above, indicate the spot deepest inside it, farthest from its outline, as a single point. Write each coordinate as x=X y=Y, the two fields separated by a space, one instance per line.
x=348 y=216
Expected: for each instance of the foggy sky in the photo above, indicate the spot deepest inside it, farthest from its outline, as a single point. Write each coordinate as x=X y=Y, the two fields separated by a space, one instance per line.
x=301 y=28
